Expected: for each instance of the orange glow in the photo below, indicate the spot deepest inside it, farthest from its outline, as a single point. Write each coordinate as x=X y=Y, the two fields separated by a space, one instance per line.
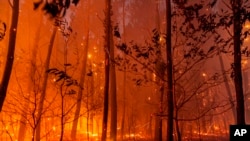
x=89 y=56
x=247 y=26
x=54 y=128
x=76 y=90
x=149 y=98
x=204 y=74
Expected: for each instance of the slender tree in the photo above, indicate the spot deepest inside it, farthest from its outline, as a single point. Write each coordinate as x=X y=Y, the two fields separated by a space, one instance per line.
x=107 y=27
x=57 y=10
x=160 y=84
x=10 y=55
x=124 y=75
x=113 y=93
x=237 y=68
x=169 y=73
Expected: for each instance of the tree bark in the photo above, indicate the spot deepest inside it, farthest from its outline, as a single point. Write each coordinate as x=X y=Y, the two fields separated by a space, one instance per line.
x=107 y=27
x=113 y=93
x=124 y=76
x=10 y=55
x=169 y=73
x=160 y=84
x=237 y=68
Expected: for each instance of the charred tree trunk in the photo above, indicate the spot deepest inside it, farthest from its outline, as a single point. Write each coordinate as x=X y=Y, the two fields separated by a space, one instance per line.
x=107 y=27
x=237 y=68
x=113 y=99
x=169 y=73
x=92 y=90
x=160 y=84
x=62 y=111
x=44 y=84
x=124 y=76
x=10 y=55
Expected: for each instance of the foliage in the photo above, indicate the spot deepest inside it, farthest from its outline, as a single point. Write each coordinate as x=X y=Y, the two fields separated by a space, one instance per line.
x=55 y=7
x=193 y=32
x=2 y=29
x=64 y=27
x=215 y=22
x=144 y=57
x=64 y=78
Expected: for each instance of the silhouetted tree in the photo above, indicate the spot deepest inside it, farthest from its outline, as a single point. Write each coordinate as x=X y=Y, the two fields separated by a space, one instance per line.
x=170 y=88
x=57 y=10
x=10 y=55
x=107 y=28
x=237 y=68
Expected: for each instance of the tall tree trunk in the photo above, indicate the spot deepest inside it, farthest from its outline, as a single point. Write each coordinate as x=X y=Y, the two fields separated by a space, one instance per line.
x=169 y=73
x=123 y=105
x=113 y=99
x=91 y=102
x=44 y=84
x=237 y=68
x=62 y=111
x=160 y=85
x=107 y=25
x=124 y=75
x=22 y=128
x=82 y=78
x=10 y=55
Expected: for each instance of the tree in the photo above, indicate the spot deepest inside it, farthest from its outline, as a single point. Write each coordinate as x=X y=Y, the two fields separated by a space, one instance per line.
x=56 y=10
x=170 y=88
x=107 y=28
x=113 y=91
x=191 y=54
x=124 y=76
x=10 y=55
x=2 y=29
x=237 y=68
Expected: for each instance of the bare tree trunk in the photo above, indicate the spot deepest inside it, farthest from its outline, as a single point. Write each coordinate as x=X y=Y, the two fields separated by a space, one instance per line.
x=160 y=85
x=107 y=25
x=124 y=76
x=169 y=73
x=91 y=102
x=113 y=99
x=62 y=111
x=44 y=84
x=237 y=68
x=10 y=55
x=123 y=106
x=81 y=83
